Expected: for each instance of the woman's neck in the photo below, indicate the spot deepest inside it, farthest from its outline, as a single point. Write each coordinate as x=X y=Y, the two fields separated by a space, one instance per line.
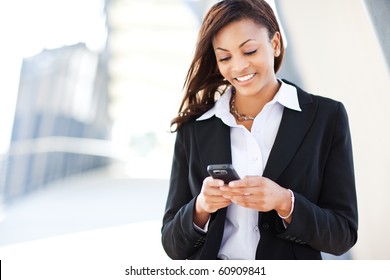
x=252 y=105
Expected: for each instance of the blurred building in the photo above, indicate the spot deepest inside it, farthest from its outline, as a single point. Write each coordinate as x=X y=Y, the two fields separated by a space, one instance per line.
x=62 y=99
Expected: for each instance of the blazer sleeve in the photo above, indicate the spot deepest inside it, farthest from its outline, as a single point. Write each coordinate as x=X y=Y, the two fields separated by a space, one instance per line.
x=180 y=239
x=330 y=225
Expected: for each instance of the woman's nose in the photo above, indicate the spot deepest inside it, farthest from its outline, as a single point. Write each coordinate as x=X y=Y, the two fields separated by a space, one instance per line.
x=240 y=64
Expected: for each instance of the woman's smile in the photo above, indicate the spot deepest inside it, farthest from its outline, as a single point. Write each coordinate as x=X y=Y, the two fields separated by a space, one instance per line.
x=245 y=78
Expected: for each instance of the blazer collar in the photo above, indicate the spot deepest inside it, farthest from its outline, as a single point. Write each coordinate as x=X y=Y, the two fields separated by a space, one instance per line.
x=292 y=130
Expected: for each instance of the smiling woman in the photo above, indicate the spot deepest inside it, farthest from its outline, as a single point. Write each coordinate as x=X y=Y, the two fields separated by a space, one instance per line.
x=246 y=60
x=296 y=197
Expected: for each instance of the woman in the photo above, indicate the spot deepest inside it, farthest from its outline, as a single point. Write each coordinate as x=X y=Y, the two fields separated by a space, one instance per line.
x=292 y=150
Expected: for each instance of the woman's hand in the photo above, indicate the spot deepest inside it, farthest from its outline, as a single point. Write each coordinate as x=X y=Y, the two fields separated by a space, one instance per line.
x=259 y=193
x=209 y=200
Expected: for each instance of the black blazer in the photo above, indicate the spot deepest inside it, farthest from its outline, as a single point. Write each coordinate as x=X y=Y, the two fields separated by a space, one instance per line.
x=312 y=155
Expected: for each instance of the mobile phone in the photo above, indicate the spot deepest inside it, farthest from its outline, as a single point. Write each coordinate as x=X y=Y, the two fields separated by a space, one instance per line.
x=225 y=172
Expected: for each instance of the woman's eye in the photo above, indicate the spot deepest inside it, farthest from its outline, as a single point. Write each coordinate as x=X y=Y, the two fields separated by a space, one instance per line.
x=251 y=52
x=222 y=59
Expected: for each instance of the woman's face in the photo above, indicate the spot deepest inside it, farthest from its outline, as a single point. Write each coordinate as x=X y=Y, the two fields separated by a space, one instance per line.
x=245 y=56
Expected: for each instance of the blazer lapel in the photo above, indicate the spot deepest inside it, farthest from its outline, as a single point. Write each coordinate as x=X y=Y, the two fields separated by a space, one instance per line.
x=213 y=140
x=292 y=130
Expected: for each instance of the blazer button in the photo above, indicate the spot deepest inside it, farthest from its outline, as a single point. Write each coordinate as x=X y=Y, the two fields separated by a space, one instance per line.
x=265 y=226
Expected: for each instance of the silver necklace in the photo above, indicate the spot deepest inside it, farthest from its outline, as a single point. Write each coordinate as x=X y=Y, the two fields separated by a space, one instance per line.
x=234 y=111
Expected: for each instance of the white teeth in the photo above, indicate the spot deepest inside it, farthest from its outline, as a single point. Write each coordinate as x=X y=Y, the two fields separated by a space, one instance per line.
x=245 y=78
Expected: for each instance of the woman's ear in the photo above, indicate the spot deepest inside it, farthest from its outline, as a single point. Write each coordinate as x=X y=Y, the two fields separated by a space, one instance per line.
x=276 y=43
